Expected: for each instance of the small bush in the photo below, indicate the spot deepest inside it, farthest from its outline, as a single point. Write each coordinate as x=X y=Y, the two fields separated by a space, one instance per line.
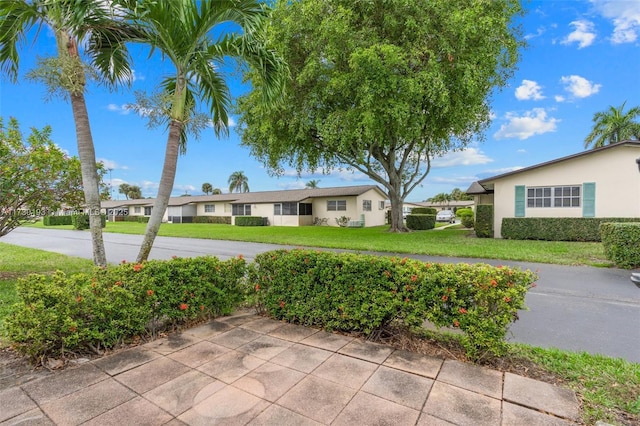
x=81 y=221
x=421 y=221
x=621 y=242
x=484 y=221
x=557 y=228
x=138 y=219
x=225 y=220
x=57 y=220
x=424 y=210
x=249 y=221
x=362 y=293
x=464 y=212
x=60 y=313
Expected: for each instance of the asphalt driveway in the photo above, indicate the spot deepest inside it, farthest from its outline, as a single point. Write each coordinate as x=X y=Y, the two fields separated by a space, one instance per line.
x=576 y=308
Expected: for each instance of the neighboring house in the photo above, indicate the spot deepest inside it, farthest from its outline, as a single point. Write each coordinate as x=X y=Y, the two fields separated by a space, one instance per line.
x=363 y=205
x=407 y=206
x=601 y=182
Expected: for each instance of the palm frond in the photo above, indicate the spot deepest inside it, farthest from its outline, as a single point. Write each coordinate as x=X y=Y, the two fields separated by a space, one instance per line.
x=17 y=18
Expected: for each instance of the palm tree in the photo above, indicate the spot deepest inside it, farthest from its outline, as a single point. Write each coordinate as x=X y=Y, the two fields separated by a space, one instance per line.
x=216 y=191
x=124 y=190
x=207 y=188
x=182 y=31
x=238 y=182
x=613 y=126
x=312 y=184
x=91 y=23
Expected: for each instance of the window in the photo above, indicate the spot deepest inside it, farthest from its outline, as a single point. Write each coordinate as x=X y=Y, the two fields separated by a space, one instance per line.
x=305 y=209
x=553 y=196
x=366 y=205
x=137 y=209
x=227 y=208
x=380 y=205
x=209 y=208
x=277 y=209
x=147 y=211
x=241 y=209
x=336 y=205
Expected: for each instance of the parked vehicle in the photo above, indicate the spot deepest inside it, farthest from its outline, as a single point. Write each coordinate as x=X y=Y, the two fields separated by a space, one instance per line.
x=446 y=216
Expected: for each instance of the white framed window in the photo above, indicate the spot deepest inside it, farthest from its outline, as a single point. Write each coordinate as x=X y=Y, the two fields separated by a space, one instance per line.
x=241 y=210
x=336 y=205
x=147 y=211
x=553 y=196
x=137 y=209
x=228 y=208
x=380 y=205
x=366 y=205
x=209 y=208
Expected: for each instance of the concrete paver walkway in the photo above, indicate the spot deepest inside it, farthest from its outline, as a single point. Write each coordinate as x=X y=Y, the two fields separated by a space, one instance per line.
x=246 y=369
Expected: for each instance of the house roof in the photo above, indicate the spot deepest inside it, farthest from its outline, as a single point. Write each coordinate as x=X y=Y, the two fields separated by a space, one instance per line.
x=284 y=196
x=485 y=184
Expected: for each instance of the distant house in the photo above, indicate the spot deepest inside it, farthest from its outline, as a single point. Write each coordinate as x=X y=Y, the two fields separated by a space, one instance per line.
x=364 y=206
x=601 y=182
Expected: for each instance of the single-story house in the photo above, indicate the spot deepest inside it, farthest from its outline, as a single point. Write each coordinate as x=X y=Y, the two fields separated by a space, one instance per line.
x=364 y=205
x=600 y=182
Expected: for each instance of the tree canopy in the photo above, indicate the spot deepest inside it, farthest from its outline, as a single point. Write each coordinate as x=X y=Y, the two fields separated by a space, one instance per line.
x=381 y=87
x=613 y=125
x=238 y=182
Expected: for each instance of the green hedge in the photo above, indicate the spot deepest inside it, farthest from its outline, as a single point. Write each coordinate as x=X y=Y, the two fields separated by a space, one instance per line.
x=421 y=221
x=139 y=219
x=225 y=220
x=556 y=228
x=57 y=220
x=424 y=210
x=484 y=221
x=621 y=242
x=81 y=221
x=363 y=293
x=249 y=221
x=59 y=313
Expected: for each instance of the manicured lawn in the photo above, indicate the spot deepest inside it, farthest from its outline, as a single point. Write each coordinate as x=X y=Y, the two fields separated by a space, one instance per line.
x=437 y=242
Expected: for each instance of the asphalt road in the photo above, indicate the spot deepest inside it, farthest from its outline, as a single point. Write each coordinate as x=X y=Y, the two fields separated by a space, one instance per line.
x=576 y=308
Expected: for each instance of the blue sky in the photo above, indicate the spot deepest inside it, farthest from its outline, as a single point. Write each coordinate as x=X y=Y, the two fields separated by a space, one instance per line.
x=582 y=57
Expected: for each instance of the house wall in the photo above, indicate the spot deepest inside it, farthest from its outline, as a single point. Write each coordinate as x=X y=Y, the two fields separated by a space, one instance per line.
x=219 y=209
x=614 y=172
x=376 y=216
x=320 y=209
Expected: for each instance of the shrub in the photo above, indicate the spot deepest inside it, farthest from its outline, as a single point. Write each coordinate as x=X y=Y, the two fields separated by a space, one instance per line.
x=57 y=220
x=424 y=210
x=421 y=221
x=61 y=313
x=225 y=220
x=484 y=221
x=138 y=219
x=464 y=212
x=249 y=221
x=363 y=293
x=81 y=221
x=557 y=228
x=466 y=217
x=621 y=242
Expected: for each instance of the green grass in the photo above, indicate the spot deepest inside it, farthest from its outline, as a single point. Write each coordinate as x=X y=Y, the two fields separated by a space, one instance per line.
x=440 y=242
x=609 y=387
x=16 y=262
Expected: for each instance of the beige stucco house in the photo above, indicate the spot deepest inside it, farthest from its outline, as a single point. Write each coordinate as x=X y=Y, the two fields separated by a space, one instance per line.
x=364 y=205
x=601 y=182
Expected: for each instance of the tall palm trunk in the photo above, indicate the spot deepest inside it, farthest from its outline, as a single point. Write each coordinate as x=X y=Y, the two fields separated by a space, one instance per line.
x=86 y=152
x=164 y=191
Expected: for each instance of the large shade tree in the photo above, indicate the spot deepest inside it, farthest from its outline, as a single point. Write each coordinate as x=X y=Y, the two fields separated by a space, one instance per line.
x=196 y=38
x=76 y=24
x=238 y=182
x=381 y=86
x=614 y=125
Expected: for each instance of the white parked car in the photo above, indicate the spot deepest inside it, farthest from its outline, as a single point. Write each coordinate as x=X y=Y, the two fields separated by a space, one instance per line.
x=446 y=216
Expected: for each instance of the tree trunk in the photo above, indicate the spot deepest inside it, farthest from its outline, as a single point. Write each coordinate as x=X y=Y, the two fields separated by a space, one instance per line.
x=86 y=152
x=164 y=191
x=397 y=222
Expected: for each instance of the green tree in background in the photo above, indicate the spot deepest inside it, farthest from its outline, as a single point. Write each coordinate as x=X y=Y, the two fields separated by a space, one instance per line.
x=207 y=188
x=238 y=182
x=613 y=125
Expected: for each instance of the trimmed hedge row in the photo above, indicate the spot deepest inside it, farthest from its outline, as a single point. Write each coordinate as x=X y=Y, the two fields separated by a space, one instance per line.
x=484 y=221
x=60 y=313
x=56 y=220
x=424 y=210
x=81 y=221
x=225 y=220
x=621 y=242
x=421 y=221
x=354 y=292
x=139 y=219
x=249 y=221
x=557 y=228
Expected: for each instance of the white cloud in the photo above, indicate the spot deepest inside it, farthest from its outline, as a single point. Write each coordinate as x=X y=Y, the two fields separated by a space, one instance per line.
x=583 y=33
x=297 y=184
x=534 y=122
x=579 y=87
x=521 y=151
x=120 y=109
x=559 y=98
x=529 y=89
x=625 y=16
x=184 y=188
x=110 y=164
x=466 y=157
x=538 y=33
x=453 y=180
x=503 y=170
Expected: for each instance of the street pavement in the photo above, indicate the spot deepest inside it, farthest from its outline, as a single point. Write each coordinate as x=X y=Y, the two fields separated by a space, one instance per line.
x=575 y=308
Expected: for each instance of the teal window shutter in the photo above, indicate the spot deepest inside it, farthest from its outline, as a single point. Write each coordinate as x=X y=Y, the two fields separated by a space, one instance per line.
x=520 y=201
x=589 y=199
